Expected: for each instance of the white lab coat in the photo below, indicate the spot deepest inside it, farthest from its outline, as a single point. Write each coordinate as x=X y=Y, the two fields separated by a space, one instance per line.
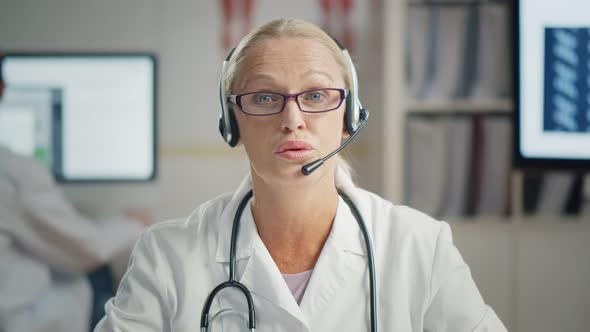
x=423 y=283
x=45 y=248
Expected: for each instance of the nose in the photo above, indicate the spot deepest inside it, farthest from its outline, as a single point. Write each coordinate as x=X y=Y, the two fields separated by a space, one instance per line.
x=292 y=117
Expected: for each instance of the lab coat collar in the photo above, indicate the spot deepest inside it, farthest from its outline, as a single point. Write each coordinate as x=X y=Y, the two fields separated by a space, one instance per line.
x=341 y=258
x=248 y=235
x=345 y=232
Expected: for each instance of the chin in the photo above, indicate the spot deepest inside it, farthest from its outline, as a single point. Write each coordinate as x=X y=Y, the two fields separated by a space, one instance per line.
x=290 y=174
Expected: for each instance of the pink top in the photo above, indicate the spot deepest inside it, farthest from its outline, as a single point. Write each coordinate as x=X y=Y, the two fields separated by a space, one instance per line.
x=298 y=283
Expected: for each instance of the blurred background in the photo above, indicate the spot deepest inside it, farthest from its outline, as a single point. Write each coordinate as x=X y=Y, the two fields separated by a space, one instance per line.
x=437 y=76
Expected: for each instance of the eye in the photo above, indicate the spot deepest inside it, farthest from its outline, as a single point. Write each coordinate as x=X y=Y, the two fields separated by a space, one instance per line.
x=315 y=96
x=264 y=98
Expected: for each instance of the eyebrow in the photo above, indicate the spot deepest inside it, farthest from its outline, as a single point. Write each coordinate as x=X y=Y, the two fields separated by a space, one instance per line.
x=255 y=77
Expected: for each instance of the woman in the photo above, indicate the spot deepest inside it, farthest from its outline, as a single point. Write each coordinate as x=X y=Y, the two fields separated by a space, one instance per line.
x=299 y=252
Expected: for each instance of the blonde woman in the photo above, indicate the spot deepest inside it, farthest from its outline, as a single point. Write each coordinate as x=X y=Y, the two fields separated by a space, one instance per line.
x=297 y=246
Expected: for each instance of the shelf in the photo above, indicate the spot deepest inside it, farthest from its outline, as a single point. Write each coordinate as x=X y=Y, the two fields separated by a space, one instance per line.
x=453 y=3
x=521 y=224
x=460 y=106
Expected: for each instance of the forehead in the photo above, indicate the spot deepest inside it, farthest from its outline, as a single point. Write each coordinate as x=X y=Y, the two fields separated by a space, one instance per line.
x=281 y=59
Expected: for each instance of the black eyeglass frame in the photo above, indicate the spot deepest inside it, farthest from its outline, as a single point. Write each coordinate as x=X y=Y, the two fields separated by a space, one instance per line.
x=237 y=100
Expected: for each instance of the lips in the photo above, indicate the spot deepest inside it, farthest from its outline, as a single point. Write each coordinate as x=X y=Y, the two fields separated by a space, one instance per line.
x=294 y=145
x=294 y=150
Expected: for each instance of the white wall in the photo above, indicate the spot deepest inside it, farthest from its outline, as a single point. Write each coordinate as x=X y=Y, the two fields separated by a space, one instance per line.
x=193 y=163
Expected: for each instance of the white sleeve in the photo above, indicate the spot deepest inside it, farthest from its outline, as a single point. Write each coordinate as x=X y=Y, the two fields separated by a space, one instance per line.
x=53 y=231
x=455 y=302
x=142 y=294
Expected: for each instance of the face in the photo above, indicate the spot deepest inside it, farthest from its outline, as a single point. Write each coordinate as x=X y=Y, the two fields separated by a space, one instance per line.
x=279 y=145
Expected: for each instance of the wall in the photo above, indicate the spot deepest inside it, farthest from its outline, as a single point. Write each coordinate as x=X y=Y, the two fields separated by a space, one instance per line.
x=194 y=164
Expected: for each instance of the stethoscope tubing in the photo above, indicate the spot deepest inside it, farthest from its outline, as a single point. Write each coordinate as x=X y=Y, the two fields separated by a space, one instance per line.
x=232 y=283
x=370 y=258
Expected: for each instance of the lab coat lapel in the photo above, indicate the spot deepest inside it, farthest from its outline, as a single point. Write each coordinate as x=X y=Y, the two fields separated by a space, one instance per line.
x=262 y=276
x=246 y=236
x=255 y=267
x=340 y=259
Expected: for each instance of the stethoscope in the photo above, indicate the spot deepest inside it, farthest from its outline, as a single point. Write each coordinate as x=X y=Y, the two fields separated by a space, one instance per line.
x=232 y=282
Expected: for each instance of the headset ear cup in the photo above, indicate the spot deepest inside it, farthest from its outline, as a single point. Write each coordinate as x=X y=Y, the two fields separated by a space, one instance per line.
x=349 y=116
x=234 y=130
x=221 y=128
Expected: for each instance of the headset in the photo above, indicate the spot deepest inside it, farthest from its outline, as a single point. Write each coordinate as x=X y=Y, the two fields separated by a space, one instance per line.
x=354 y=116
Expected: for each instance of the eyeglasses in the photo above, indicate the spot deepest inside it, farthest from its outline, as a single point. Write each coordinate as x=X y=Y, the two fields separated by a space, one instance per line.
x=268 y=103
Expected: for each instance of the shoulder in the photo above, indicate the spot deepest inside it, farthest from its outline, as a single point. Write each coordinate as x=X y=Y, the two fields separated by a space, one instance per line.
x=406 y=240
x=182 y=234
x=389 y=218
x=163 y=249
x=401 y=233
x=10 y=159
x=25 y=172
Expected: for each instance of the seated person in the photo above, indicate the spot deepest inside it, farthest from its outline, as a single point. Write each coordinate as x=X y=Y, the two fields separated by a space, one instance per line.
x=47 y=249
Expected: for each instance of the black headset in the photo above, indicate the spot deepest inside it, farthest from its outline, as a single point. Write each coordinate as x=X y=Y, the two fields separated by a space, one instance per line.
x=228 y=126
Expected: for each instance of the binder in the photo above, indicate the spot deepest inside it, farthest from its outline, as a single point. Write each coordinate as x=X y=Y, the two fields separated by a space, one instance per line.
x=585 y=209
x=495 y=167
x=493 y=53
x=448 y=45
x=425 y=164
x=417 y=41
x=554 y=193
x=459 y=152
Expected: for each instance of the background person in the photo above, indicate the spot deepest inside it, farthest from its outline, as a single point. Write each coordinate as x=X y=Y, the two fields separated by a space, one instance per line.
x=53 y=272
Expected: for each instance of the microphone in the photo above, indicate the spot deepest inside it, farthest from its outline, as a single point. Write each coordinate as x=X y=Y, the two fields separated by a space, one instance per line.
x=309 y=168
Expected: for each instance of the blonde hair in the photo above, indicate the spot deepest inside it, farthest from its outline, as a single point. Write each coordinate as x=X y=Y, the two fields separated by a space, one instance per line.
x=286 y=28
x=281 y=28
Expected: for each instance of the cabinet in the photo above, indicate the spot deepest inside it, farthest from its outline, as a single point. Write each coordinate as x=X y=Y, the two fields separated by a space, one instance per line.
x=534 y=271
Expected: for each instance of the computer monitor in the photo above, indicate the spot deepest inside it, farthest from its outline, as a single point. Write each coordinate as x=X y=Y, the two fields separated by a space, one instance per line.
x=26 y=121
x=106 y=129
x=552 y=46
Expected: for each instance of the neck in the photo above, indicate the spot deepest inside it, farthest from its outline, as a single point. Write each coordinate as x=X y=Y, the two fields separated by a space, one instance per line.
x=294 y=221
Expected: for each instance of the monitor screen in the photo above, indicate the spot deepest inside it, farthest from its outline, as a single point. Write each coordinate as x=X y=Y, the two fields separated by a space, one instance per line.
x=26 y=121
x=553 y=80
x=106 y=128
